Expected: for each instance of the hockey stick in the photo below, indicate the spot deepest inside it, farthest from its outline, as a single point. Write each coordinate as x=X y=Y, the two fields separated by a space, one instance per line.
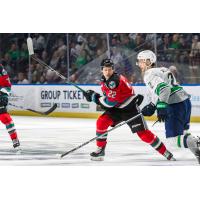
x=85 y=143
x=31 y=53
x=35 y=111
x=155 y=122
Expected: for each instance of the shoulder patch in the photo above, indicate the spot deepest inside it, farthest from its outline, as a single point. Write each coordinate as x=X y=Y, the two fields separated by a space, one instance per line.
x=112 y=84
x=4 y=72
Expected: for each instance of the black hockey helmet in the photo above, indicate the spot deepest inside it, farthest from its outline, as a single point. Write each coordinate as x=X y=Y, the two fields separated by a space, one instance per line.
x=107 y=62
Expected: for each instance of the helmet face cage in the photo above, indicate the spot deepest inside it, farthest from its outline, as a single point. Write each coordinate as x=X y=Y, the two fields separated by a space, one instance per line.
x=107 y=63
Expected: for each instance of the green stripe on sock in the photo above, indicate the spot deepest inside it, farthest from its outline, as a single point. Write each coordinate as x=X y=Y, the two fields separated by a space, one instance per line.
x=99 y=134
x=10 y=126
x=179 y=141
x=155 y=142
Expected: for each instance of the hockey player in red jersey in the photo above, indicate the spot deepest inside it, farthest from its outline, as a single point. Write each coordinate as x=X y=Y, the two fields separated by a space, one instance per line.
x=5 y=118
x=120 y=104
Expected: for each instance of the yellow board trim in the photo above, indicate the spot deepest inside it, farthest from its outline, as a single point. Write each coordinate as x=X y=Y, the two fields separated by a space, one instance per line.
x=81 y=115
x=192 y=119
x=57 y=114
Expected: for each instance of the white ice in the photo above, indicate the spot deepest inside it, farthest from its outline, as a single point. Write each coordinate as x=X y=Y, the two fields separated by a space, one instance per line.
x=43 y=139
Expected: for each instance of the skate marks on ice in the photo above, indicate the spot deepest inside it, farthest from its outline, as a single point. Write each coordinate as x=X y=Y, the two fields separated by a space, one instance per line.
x=43 y=140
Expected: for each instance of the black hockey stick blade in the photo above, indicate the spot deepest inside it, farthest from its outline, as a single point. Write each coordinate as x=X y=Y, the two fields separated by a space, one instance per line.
x=45 y=113
x=155 y=122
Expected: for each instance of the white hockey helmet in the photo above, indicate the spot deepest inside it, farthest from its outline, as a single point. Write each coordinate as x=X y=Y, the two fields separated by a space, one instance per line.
x=147 y=55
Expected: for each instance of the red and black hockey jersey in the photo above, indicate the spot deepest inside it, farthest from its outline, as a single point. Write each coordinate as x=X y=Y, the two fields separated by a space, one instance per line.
x=117 y=92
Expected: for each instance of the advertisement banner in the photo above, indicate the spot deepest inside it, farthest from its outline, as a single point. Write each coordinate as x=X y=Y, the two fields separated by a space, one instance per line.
x=71 y=100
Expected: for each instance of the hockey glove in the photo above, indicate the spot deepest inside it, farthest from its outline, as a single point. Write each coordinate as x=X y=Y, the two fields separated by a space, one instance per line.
x=3 y=99
x=162 y=113
x=138 y=99
x=149 y=109
x=91 y=95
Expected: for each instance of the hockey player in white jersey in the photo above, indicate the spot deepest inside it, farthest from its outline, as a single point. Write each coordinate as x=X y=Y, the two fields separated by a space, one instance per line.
x=171 y=101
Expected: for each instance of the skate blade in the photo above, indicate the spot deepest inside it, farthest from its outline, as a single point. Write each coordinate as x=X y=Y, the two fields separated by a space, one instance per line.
x=97 y=158
x=18 y=152
x=172 y=159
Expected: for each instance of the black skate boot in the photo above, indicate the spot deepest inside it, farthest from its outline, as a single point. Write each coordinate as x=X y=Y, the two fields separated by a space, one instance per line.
x=169 y=155
x=16 y=145
x=99 y=154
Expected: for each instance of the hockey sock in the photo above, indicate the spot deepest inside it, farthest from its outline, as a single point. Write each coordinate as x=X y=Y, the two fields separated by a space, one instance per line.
x=11 y=130
x=7 y=120
x=101 y=142
x=103 y=122
x=148 y=137
x=186 y=141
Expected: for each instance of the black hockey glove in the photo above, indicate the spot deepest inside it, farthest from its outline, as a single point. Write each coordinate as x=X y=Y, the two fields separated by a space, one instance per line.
x=138 y=99
x=3 y=99
x=162 y=112
x=91 y=95
x=149 y=109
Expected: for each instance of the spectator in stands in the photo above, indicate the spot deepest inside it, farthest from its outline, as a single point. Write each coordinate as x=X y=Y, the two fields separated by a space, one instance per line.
x=14 y=52
x=50 y=77
x=45 y=57
x=165 y=45
x=99 y=53
x=62 y=57
x=82 y=59
x=42 y=80
x=81 y=44
x=103 y=45
x=23 y=57
x=127 y=42
x=174 y=47
x=61 y=45
x=73 y=53
x=14 y=56
x=194 y=58
x=184 y=47
x=22 y=78
x=139 y=41
x=175 y=43
x=195 y=48
x=38 y=42
x=92 y=45
x=54 y=60
x=115 y=40
x=6 y=63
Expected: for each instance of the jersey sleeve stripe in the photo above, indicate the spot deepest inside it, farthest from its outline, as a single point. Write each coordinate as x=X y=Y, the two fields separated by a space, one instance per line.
x=160 y=87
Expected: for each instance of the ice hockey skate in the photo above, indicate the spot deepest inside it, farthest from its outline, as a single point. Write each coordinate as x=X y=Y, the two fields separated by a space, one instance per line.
x=194 y=146
x=197 y=150
x=16 y=145
x=98 y=155
x=169 y=156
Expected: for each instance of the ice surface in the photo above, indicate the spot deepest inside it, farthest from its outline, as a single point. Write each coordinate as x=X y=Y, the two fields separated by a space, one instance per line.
x=43 y=138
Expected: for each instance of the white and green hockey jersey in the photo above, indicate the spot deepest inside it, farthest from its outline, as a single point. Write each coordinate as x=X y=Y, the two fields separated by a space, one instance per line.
x=163 y=87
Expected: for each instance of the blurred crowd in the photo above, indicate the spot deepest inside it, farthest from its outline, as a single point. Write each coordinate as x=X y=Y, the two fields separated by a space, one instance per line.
x=69 y=53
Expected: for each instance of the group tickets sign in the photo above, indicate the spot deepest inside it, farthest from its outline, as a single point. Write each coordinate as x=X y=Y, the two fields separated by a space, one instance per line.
x=70 y=99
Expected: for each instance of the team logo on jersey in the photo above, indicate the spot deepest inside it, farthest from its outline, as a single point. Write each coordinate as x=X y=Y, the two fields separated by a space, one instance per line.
x=112 y=85
x=4 y=72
